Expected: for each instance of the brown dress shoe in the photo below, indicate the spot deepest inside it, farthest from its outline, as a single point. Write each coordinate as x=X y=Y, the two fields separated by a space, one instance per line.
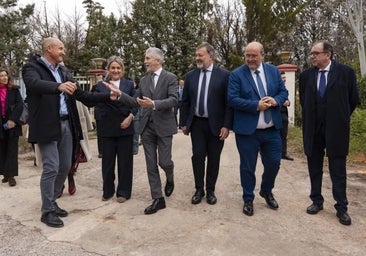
x=5 y=179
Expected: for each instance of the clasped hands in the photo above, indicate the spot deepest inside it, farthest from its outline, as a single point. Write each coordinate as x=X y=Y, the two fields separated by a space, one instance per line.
x=266 y=102
x=70 y=87
x=145 y=102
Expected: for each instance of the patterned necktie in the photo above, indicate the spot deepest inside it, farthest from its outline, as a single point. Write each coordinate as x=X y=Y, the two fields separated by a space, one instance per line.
x=322 y=83
x=201 y=103
x=262 y=93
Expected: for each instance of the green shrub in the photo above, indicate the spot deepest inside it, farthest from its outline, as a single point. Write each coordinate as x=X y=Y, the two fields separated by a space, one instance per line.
x=358 y=135
x=362 y=91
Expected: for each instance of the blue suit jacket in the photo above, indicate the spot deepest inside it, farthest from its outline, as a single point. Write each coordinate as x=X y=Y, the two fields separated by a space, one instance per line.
x=243 y=97
x=219 y=113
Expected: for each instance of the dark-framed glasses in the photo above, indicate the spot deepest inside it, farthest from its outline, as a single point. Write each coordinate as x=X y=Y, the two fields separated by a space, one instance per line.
x=315 y=53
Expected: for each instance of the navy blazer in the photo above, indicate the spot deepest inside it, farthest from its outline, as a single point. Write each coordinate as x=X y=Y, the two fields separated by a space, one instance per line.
x=112 y=113
x=243 y=97
x=219 y=113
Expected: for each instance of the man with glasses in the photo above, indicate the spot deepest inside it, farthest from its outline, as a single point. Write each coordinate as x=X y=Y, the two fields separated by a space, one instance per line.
x=328 y=96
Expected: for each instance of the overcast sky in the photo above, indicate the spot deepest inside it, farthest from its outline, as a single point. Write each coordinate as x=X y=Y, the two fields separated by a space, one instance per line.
x=67 y=7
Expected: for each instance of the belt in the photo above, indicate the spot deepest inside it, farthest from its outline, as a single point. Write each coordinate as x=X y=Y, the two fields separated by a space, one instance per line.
x=267 y=129
x=201 y=117
x=64 y=117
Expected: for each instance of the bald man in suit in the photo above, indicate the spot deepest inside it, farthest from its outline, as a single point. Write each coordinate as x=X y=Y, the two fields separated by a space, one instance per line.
x=256 y=93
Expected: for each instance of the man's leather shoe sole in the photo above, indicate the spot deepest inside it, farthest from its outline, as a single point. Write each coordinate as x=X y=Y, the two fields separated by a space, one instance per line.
x=197 y=197
x=314 y=208
x=211 y=198
x=169 y=188
x=157 y=205
x=248 y=208
x=344 y=218
x=52 y=220
x=271 y=202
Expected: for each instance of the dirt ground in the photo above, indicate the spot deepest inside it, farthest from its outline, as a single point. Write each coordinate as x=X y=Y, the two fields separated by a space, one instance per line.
x=94 y=227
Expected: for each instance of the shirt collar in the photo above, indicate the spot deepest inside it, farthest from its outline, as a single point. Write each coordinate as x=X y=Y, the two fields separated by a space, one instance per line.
x=49 y=65
x=260 y=69
x=327 y=68
x=158 y=72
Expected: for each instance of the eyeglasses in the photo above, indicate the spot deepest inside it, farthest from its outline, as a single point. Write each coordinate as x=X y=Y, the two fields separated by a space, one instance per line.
x=315 y=54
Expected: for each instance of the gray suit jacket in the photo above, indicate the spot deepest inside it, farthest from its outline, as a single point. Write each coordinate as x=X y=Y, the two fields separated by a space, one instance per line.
x=165 y=97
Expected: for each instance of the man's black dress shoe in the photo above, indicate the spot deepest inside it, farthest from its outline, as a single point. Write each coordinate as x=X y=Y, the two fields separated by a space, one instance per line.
x=60 y=212
x=197 y=197
x=314 y=208
x=287 y=157
x=271 y=202
x=248 y=208
x=169 y=187
x=156 y=205
x=344 y=218
x=211 y=198
x=52 y=220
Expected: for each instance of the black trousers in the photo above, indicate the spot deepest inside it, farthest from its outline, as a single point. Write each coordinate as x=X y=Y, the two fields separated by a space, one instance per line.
x=205 y=145
x=9 y=155
x=119 y=148
x=337 y=171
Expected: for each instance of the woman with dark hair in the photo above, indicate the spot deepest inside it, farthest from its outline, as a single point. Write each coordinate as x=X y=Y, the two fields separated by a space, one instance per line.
x=11 y=107
x=116 y=130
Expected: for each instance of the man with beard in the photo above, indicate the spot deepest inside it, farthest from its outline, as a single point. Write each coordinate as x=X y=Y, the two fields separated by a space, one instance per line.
x=206 y=116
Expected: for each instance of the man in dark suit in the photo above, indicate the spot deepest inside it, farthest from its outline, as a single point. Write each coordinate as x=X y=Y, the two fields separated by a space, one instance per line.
x=284 y=129
x=158 y=95
x=54 y=121
x=206 y=87
x=328 y=96
x=256 y=93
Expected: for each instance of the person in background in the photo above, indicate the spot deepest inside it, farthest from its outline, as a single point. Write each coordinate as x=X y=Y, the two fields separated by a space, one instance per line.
x=256 y=93
x=81 y=149
x=54 y=121
x=284 y=129
x=97 y=116
x=206 y=86
x=180 y=94
x=328 y=97
x=116 y=130
x=11 y=107
x=136 y=125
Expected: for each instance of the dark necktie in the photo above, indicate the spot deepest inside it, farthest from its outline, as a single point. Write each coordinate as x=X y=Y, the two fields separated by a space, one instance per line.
x=322 y=83
x=262 y=93
x=152 y=82
x=201 y=103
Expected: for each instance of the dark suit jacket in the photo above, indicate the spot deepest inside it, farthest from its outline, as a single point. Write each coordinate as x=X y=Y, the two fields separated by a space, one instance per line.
x=219 y=113
x=243 y=97
x=13 y=110
x=43 y=100
x=341 y=98
x=112 y=113
x=165 y=97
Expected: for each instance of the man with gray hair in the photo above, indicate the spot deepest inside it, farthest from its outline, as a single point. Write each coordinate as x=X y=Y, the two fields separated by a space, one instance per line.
x=157 y=95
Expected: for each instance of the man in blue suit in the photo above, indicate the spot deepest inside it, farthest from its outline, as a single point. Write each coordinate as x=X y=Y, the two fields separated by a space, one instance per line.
x=206 y=116
x=256 y=93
